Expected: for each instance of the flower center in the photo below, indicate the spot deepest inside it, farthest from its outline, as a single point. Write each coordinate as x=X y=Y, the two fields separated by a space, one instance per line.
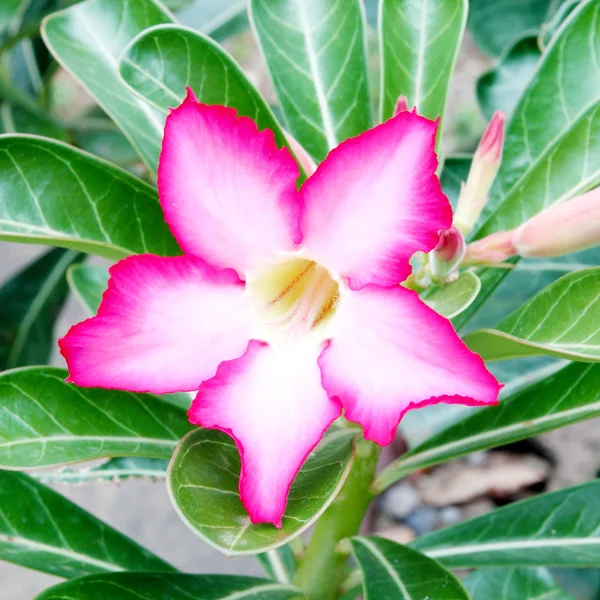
x=293 y=298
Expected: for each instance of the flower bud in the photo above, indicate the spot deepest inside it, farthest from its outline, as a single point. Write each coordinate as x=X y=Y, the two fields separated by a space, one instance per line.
x=484 y=167
x=447 y=255
x=491 y=250
x=563 y=228
x=401 y=105
x=306 y=162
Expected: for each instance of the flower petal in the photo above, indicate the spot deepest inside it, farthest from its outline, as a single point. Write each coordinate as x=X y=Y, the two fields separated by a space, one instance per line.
x=375 y=201
x=271 y=402
x=164 y=325
x=389 y=353
x=228 y=193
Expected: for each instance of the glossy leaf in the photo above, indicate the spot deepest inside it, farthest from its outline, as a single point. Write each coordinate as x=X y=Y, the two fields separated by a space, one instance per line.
x=562 y=320
x=450 y=299
x=114 y=470
x=41 y=530
x=394 y=571
x=49 y=422
x=86 y=39
x=558 y=529
x=456 y=171
x=495 y=24
x=568 y=396
x=160 y=63
x=552 y=143
x=501 y=87
x=30 y=303
x=558 y=11
x=509 y=584
x=19 y=119
x=133 y=586
x=316 y=56
x=88 y=284
x=53 y=194
x=279 y=564
x=203 y=485
x=218 y=18
x=420 y=40
x=102 y=138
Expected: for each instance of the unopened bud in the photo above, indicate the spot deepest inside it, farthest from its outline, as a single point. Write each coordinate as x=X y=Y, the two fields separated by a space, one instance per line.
x=485 y=165
x=491 y=250
x=306 y=162
x=563 y=228
x=401 y=105
x=447 y=255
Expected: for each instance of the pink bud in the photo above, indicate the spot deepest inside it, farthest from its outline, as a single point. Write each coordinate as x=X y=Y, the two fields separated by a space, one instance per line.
x=401 y=105
x=306 y=162
x=562 y=228
x=448 y=253
x=485 y=165
x=491 y=250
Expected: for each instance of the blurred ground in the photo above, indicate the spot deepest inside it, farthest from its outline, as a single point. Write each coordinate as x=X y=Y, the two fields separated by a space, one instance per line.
x=142 y=510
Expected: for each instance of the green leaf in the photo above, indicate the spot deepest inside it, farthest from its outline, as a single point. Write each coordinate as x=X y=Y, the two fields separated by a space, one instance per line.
x=54 y=194
x=203 y=485
x=456 y=171
x=19 y=119
x=65 y=423
x=501 y=87
x=30 y=303
x=218 y=18
x=279 y=564
x=450 y=299
x=495 y=24
x=419 y=45
x=162 y=61
x=568 y=396
x=509 y=584
x=552 y=144
x=316 y=56
x=86 y=39
x=88 y=284
x=559 y=10
x=394 y=571
x=558 y=529
x=133 y=586
x=41 y=530
x=114 y=470
x=102 y=138
x=562 y=320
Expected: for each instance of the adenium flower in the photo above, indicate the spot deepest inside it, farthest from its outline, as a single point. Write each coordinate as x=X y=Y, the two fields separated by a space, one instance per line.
x=284 y=310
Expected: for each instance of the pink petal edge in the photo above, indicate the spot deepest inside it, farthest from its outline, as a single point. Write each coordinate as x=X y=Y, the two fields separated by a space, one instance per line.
x=163 y=326
x=227 y=191
x=274 y=436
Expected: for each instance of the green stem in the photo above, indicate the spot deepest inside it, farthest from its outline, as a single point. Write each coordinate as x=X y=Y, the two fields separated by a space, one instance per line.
x=324 y=566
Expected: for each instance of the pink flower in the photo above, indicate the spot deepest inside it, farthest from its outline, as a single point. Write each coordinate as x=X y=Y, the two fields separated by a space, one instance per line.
x=285 y=308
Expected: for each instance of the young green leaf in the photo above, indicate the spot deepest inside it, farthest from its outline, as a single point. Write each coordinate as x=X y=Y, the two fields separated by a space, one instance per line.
x=49 y=422
x=558 y=529
x=41 y=530
x=30 y=303
x=316 y=56
x=114 y=470
x=562 y=320
x=86 y=39
x=161 y=62
x=203 y=484
x=419 y=46
x=500 y=87
x=53 y=194
x=570 y=395
x=552 y=143
x=450 y=299
x=391 y=570
x=509 y=584
x=168 y=586
x=88 y=284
